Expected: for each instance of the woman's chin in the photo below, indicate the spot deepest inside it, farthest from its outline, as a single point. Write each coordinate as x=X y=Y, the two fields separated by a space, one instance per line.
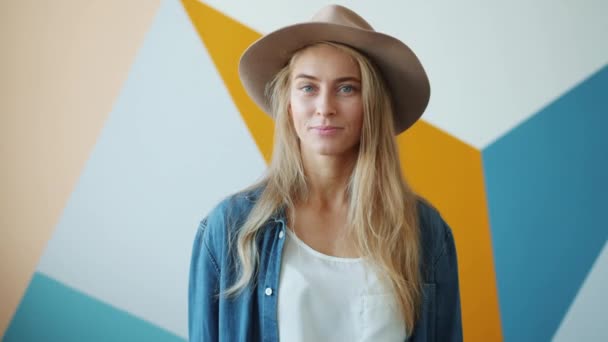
x=328 y=151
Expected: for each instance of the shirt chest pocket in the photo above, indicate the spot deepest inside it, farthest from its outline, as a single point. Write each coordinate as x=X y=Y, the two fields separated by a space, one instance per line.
x=380 y=319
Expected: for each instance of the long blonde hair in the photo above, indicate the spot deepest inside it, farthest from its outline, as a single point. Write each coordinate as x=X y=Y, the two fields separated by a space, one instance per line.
x=382 y=213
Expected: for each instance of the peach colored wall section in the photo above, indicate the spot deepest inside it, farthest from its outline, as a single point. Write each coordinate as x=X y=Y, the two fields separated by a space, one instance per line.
x=62 y=65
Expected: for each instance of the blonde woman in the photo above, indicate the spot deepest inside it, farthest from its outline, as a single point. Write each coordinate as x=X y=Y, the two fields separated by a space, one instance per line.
x=332 y=244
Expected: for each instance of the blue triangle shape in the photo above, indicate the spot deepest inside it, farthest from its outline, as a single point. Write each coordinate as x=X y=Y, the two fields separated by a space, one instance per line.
x=546 y=186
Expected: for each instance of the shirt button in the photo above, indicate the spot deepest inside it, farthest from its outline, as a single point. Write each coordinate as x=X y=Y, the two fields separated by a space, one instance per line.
x=268 y=291
x=281 y=234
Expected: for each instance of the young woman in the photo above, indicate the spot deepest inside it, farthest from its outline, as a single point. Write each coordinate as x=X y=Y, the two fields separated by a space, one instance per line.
x=332 y=244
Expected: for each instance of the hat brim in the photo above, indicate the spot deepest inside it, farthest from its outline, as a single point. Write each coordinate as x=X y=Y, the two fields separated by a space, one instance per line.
x=399 y=66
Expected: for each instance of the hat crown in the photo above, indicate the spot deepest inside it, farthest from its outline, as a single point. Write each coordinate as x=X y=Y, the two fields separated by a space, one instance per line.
x=404 y=75
x=336 y=14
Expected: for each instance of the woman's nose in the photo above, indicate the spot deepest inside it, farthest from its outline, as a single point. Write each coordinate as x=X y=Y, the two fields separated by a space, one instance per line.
x=326 y=104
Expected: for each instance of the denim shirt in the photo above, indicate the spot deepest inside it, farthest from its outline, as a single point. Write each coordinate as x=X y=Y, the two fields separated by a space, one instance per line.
x=252 y=314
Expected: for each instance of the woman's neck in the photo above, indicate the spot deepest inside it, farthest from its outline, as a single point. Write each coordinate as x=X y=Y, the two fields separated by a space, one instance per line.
x=328 y=178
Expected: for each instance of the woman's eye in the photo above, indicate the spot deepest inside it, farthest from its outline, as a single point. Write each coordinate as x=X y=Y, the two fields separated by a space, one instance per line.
x=347 y=89
x=307 y=89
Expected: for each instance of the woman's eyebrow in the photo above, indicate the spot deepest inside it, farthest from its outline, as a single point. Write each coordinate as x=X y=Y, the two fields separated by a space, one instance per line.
x=348 y=78
x=306 y=76
x=339 y=79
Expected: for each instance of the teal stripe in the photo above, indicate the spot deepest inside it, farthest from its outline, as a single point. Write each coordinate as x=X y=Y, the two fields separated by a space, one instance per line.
x=51 y=311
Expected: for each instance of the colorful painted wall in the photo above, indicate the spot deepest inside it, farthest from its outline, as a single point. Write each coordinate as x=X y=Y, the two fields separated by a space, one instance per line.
x=123 y=123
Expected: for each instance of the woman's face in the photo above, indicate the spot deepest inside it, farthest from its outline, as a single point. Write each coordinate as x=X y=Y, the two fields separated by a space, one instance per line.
x=325 y=101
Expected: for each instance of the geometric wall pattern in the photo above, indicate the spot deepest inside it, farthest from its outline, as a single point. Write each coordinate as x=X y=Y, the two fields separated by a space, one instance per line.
x=518 y=172
x=546 y=183
x=51 y=311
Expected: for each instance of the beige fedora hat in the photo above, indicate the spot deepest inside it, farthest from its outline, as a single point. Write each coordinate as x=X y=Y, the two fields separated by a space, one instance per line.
x=399 y=66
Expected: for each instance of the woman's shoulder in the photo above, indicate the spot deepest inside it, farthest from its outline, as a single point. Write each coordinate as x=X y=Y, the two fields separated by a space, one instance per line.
x=233 y=207
x=429 y=216
x=226 y=216
x=435 y=233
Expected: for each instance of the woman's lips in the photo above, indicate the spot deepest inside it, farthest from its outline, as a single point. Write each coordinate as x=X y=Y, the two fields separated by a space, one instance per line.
x=326 y=130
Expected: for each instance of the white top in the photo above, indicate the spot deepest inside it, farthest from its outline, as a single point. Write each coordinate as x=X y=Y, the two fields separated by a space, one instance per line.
x=327 y=298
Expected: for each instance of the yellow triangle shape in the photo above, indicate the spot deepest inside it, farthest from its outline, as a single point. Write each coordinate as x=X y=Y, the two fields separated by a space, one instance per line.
x=449 y=173
x=226 y=39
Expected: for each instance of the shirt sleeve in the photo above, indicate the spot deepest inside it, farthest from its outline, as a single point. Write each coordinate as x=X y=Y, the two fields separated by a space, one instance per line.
x=203 y=289
x=449 y=320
